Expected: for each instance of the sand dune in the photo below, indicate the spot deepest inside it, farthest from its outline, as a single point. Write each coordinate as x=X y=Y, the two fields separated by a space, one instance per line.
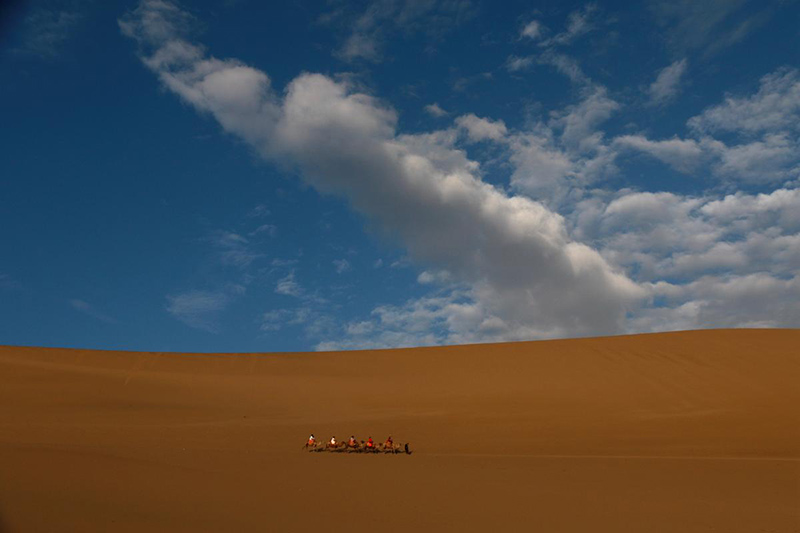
x=684 y=432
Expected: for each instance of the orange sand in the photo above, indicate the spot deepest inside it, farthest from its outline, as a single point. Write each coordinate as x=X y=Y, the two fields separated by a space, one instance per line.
x=679 y=432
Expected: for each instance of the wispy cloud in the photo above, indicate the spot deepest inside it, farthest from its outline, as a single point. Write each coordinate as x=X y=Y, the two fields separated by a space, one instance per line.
x=709 y=26
x=265 y=229
x=370 y=27
x=278 y=262
x=341 y=265
x=747 y=139
x=279 y=319
x=234 y=249
x=517 y=63
x=259 y=211
x=201 y=309
x=450 y=316
x=88 y=309
x=579 y=23
x=667 y=84
x=288 y=286
x=311 y=312
x=7 y=283
x=45 y=31
x=566 y=66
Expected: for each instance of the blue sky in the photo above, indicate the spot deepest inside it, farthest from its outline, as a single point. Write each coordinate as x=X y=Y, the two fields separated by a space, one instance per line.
x=242 y=176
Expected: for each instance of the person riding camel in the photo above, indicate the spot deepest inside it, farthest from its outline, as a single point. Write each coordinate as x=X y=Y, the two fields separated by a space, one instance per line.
x=370 y=443
x=312 y=441
x=353 y=443
x=389 y=444
x=332 y=443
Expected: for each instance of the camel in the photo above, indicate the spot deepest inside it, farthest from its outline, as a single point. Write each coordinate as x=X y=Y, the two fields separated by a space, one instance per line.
x=357 y=447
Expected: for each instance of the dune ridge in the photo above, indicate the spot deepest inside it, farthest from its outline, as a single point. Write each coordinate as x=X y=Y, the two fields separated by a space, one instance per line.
x=609 y=432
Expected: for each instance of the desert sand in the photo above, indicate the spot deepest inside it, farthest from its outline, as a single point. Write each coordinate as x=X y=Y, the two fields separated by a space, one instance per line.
x=679 y=432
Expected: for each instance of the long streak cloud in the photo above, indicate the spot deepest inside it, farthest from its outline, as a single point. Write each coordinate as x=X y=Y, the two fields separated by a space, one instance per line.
x=525 y=276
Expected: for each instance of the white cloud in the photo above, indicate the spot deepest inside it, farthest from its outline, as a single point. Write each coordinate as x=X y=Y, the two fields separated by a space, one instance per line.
x=732 y=262
x=761 y=143
x=435 y=111
x=481 y=129
x=683 y=155
x=774 y=108
x=640 y=209
x=745 y=213
x=776 y=158
x=288 y=286
x=555 y=161
x=440 y=277
x=642 y=231
x=754 y=300
x=532 y=30
x=455 y=316
x=667 y=84
x=428 y=321
x=540 y=169
x=667 y=236
x=513 y=253
x=516 y=63
x=578 y=123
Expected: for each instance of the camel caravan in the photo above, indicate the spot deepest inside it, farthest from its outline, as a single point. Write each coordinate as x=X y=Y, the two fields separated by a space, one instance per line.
x=352 y=445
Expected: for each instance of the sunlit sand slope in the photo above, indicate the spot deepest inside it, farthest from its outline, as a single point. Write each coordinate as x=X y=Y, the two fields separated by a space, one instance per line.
x=692 y=431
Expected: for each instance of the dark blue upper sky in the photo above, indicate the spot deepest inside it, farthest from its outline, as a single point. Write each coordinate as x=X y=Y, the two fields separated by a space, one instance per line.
x=413 y=172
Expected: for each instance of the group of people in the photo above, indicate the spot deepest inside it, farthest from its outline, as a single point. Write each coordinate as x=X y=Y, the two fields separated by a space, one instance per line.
x=352 y=442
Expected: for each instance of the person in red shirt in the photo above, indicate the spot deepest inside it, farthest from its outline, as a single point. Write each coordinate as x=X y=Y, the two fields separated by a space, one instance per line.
x=370 y=443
